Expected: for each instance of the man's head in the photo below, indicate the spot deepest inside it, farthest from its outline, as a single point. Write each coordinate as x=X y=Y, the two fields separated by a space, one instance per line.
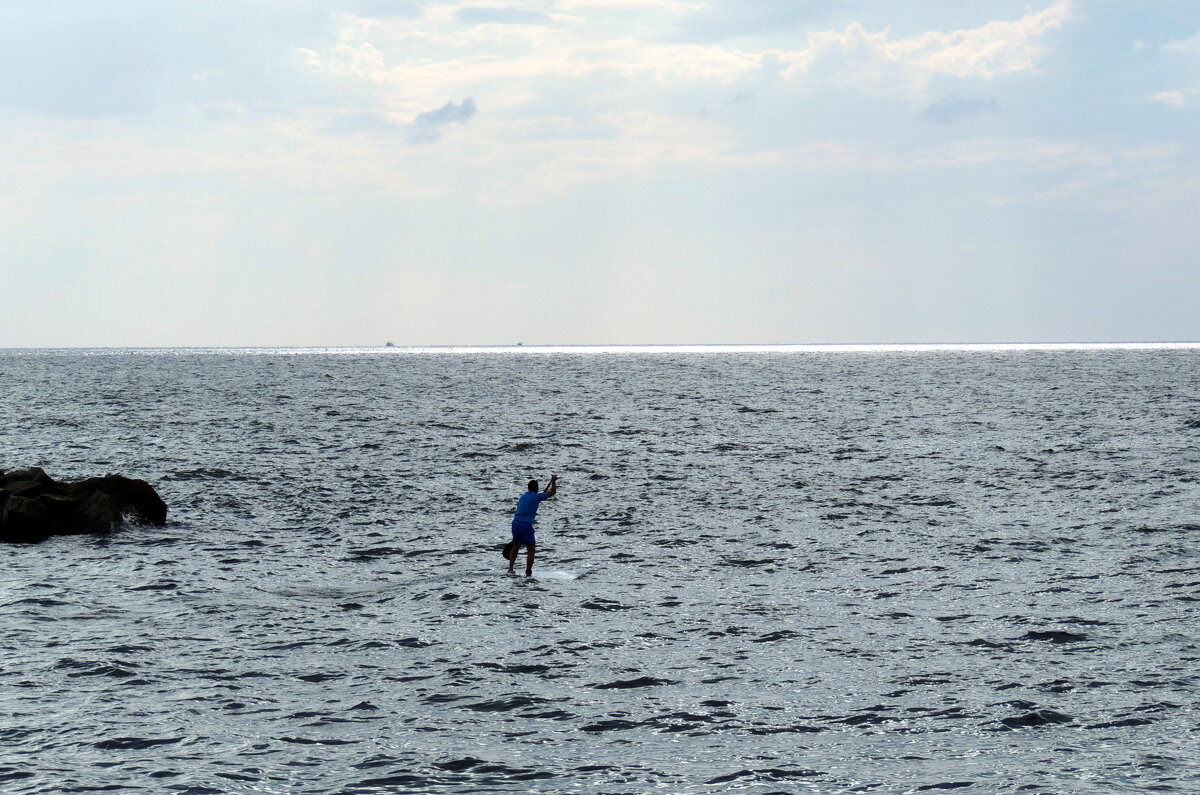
x=533 y=485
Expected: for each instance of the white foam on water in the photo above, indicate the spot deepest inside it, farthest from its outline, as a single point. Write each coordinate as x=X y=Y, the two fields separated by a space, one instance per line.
x=558 y=575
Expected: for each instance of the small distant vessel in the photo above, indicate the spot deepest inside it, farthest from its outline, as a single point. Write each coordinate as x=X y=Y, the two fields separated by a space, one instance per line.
x=390 y=344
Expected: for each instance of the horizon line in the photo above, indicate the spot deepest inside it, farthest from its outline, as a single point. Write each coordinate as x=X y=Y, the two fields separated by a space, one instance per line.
x=684 y=347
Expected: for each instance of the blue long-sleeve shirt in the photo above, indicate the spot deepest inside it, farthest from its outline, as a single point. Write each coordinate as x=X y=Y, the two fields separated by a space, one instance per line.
x=527 y=506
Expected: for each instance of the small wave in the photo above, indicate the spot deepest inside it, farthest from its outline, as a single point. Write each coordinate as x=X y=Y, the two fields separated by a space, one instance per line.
x=1041 y=717
x=203 y=474
x=610 y=725
x=771 y=730
x=375 y=553
x=456 y=765
x=134 y=743
x=321 y=677
x=1055 y=636
x=161 y=585
x=772 y=637
x=419 y=783
x=771 y=774
x=507 y=704
x=607 y=605
x=641 y=681
x=1119 y=724
x=83 y=668
x=38 y=601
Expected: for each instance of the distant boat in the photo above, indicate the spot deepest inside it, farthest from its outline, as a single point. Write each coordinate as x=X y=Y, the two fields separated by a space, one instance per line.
x=390 y=344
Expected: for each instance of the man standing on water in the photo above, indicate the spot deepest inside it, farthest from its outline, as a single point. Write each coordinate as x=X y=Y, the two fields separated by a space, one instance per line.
x=522 y=524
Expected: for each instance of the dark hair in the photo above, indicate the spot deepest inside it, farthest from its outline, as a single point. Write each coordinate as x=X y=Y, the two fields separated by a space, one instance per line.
x=533 y=485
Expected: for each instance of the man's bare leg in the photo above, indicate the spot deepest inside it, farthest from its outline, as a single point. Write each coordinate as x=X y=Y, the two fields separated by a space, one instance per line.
x=528 y=559
x=512 y=557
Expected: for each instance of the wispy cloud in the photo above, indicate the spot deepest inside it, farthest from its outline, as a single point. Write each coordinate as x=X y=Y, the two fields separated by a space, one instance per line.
x=1176 y=98
x=725 y=19
x=391 y=59
x=427 y=127
x=1191 y=45
x=503 y=15
x=1042 y=154
x=670 y=6
x=949 y=110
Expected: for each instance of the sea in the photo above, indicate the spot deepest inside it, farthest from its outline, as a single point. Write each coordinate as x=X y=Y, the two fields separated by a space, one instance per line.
x=771 y=569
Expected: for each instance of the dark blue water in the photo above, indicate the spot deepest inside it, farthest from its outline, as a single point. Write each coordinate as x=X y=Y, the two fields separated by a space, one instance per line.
x=764 y=572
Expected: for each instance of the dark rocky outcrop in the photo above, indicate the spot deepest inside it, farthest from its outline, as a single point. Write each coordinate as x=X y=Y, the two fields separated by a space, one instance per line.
x=35 y=506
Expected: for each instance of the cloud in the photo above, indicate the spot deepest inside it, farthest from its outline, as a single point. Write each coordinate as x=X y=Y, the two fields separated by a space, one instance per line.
x=669 y=6
x=476 y=15
x=600 y=93
x=949 y=110
x=413 y=62
x=725 y=19
x=377 y=8
x=642 y=146
x=1041 y=154
x=1185 y=45
x=646 y=145
x=1176 y=98
x=358 y=123
x=515 y=54
x=427 y=127
x=858 y=56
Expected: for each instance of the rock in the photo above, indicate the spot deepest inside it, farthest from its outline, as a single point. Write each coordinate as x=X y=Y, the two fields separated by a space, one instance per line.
x=26 y=482
x=96 y=514
x=136 y=498
x=23 y=520
x=34 y=506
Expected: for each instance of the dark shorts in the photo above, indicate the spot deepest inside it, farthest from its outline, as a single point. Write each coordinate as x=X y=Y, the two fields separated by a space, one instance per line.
x=523 y=533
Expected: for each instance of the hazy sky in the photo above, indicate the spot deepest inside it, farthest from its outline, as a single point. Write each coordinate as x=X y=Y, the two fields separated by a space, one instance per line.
x=345 y=172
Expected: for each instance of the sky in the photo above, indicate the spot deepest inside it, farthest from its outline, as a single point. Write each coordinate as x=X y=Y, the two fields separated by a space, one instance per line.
x=350 y=172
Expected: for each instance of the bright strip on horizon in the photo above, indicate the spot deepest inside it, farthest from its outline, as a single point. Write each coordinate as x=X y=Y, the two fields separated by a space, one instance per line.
x=982 y=347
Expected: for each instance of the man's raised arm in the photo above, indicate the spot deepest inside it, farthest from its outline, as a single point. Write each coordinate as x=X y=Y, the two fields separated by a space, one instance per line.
x=552 y=489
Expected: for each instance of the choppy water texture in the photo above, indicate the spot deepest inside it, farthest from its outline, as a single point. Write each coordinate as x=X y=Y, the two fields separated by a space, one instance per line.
x=767 y=572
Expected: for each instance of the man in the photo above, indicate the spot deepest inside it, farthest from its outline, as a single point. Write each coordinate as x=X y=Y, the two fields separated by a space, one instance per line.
x=522 y=524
